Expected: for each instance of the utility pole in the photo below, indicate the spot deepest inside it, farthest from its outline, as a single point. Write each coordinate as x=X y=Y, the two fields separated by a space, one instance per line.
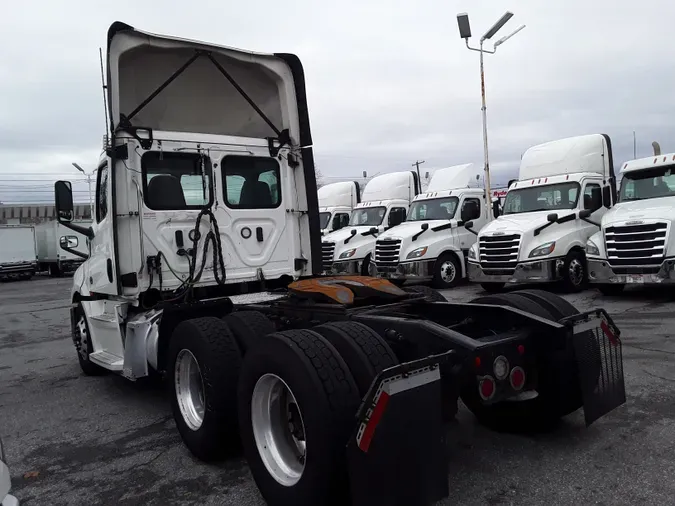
x=91 y=200
x=634 y=146
x=417 y=164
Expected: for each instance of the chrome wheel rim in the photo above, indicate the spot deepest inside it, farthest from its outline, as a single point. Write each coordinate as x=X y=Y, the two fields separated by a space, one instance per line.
x=278 y=429
x=83 y=337
x=576 y=272
x=189 y=389
x=448 y=271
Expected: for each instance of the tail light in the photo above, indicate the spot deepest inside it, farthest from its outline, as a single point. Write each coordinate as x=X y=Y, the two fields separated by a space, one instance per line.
x=517 y=378
x=487 y=388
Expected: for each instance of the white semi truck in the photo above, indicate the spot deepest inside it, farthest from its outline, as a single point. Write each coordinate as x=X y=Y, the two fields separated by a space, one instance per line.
x=385 y=202
x=323 y=386
x=336 y=201
x=563 y=189
x=432 y=243
x=18 y=252
x=51 y=238
x=636 y=243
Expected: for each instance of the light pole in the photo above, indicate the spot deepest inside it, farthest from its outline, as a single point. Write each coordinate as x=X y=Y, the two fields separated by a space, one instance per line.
x=91 y=202
x=465 y=33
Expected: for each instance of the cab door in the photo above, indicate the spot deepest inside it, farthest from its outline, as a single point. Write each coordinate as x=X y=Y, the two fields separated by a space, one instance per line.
x=471 y=209
x=101 y=265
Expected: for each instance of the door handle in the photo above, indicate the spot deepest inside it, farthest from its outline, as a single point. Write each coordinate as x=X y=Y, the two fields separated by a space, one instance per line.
x=110 y=270
x=259 y=234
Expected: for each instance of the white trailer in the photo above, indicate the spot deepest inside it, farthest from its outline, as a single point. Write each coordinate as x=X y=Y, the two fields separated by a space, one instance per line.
x=541 y=236
x=18 y=255
x=336 y=201
x=51 y=255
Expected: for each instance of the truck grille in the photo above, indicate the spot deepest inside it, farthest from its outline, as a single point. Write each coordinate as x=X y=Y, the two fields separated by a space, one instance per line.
x=499 y=253
x=386 y=253
x=635 y=249
x=327 y=251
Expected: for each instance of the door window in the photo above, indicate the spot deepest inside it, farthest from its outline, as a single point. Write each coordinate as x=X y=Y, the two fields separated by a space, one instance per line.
x=251 y=182
x=592 y=197
x=102 y=193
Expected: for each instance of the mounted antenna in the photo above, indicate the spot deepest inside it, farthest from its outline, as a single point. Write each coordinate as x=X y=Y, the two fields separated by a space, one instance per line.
x=106 y=139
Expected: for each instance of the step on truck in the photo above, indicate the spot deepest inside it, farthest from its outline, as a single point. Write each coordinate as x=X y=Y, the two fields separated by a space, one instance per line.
x=18 y=252
x=322 y=387
x=384 y=204
x=336 y=202
x=564 y=188
x=432 y=244
x=58 y=248
x=635 y=245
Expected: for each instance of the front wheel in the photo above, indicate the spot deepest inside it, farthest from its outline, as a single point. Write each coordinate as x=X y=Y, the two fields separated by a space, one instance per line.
x=83 y=346
x=447 y=271
x=575 y=273
x=613 y=289
x=368 y=267
x=203 y=367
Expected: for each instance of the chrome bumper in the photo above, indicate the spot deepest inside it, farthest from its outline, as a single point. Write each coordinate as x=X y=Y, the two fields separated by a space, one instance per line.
x=600 y=272
x=420 y=270
x=543 y=271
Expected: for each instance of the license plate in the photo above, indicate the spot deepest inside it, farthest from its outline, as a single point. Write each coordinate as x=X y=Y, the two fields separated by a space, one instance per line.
x=635 y=278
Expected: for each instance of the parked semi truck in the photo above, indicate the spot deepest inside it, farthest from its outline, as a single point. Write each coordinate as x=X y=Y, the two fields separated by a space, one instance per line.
x=51 y=237
x=635 y=243
x=432 y=244
x=324 y=386
x=18 y=255
x=385 y=202
x=564 y=188
x=336 y=201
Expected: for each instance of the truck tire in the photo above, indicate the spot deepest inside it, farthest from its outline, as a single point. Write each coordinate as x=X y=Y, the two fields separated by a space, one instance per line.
x=559 y=392
x=493 y=287
x=364 y=351
x=366 y=268
x=203 y=369
x=296 y=402
x=575 y=272
x=83 y=345
x=54 y=271
x=431 y=294
x=611 y=289
x=447 y=271
x=248 y=327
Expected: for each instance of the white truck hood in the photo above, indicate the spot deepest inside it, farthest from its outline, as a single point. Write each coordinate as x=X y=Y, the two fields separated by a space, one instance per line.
x=519 y=223
x=651 y=209
x=363 y=244
x=407 y=229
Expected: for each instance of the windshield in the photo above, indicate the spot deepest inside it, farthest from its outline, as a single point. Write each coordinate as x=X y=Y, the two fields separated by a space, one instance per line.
x=372 y=216
x=542 y=198
x=648 y=184
x=433 y=209
x=324 y=219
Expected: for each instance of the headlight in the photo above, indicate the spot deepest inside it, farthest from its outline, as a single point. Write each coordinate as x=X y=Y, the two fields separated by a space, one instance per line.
x=591 y=248
x=347 y=254
x=472 y=251
x=416 y=253
x=543 y=250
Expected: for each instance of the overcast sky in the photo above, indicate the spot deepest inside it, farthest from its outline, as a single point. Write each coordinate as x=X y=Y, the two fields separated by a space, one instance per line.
x=388 y=81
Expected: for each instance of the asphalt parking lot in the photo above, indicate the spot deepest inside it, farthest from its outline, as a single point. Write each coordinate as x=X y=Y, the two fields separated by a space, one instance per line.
x=74 y=440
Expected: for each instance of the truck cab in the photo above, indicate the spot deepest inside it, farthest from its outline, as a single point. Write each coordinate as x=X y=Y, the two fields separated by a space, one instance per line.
x=385 y=203
x=432 y=244
x=634 y=245
x=563 y=190
x=191 y=204
x=336 y=201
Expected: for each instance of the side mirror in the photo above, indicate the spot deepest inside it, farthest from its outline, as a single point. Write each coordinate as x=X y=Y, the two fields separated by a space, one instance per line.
x=470 y=211
x=63 y=194
x=607 y=197
x=69 y=242
x=496 y=209
x=337 y=222
x=396 y=217
x=373 y=230
x=585 y=214
x=468 y=225
x=425 y=226
x=553 y=217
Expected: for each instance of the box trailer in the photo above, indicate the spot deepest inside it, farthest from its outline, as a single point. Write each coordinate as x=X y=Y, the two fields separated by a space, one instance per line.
x=18 y=256
x=51 y=256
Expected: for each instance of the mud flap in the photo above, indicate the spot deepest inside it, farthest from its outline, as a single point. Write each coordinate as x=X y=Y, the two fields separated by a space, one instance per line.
x=398 y=455
x=597 y=347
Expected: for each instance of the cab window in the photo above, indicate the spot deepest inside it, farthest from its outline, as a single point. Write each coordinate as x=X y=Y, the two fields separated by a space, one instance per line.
x=173 y=181
x=251 y=182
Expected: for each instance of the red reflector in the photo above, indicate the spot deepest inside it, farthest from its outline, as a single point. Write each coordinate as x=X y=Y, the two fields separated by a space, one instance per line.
x=521 y=349
x=486 y=388
x=477 y=361
x=517 y=378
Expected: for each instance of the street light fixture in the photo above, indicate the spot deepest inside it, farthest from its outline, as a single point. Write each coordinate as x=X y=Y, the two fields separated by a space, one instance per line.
x=465 y=33
x=91 y=202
